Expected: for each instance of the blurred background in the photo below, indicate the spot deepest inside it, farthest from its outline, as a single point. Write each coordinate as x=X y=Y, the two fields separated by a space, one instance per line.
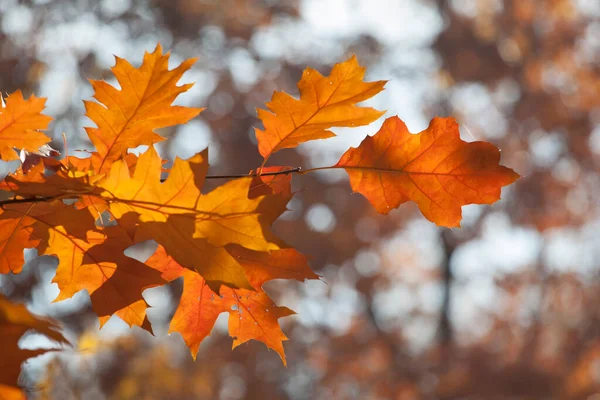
x=504 y=308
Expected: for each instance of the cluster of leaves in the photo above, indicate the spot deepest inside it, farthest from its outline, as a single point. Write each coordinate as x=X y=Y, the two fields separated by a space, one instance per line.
x=88 y=211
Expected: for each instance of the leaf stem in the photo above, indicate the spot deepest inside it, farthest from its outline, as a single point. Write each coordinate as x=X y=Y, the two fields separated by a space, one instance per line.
x=284 y=172
x=306 y=171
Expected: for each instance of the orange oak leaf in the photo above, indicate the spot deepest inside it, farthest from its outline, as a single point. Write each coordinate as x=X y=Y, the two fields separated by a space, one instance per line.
x=126 y=118
x=434 y=168
x=29 y=225
x=98 y=264
x=36 y=184
x=20 y=123
x=84 y=166
x=252 y=314
x=197 y=312
x=263 y=185
x=16 y=320
x=65 y=183
x=15 y=235
x=88 y=259
x=194 y=227
x=78 y=165
x=263 y=266
x=256 y=319
x=325 y=102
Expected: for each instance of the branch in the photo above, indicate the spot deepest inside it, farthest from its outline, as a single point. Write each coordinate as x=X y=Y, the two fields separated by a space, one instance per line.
x=28 y=200
x=251 y=175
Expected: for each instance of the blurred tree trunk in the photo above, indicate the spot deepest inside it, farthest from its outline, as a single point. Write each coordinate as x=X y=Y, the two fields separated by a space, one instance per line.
x=445 y=334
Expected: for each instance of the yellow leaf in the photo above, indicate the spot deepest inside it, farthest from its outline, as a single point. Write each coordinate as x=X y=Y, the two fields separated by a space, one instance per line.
x=193 y=227
x=126 y=118
x=325 y=102
x=20 y=123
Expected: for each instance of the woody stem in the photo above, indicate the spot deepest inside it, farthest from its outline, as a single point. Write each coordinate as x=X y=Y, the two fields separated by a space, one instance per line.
x=295 y=170
x=284 y=172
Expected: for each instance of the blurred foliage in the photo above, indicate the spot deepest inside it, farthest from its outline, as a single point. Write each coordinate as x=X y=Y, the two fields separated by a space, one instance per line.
x=503 y=308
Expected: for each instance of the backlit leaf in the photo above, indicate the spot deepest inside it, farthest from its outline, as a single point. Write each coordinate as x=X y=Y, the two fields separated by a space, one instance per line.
x=262 y=266
x=434 y=168
x=325 y=102
x=127 y=118
x=30 y=225
x=271 y=184
x=20 y=123
x=98 y=264
x=252 y=314
x=191 y=226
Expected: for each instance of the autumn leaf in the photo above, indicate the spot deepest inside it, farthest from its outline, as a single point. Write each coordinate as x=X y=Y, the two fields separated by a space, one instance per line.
x=256 y=319
x=98 y=264
x=82 y=169
x=36 y=184
x=15 y=320
x=434 y=168
x=20 y=123
x=127 y=118
x=252 y=314
x=15 y=235
x=64 y=184
x=191 y=226
x=88 y=259
x=262 y=266
x=263 y=185
x=29 y=225
x=197 y=312
x=325 y=102
x=166 y=213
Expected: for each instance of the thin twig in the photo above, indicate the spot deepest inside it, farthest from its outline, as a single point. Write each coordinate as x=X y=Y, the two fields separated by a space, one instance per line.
x=27 y=200
x=284 y=172
x=306 y=171
x=50 y=198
